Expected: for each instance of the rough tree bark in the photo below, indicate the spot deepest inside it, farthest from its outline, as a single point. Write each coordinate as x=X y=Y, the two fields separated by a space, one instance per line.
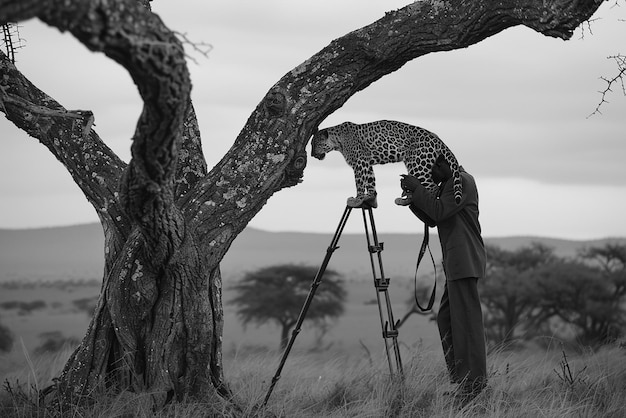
x=167 y=221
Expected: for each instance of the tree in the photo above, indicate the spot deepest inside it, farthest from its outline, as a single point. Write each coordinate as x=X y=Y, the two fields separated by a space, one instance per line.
x=168 y=221
x=508 y=290
x=576 y=294
x=531 y=289
x=611 y=260
x=277 y=293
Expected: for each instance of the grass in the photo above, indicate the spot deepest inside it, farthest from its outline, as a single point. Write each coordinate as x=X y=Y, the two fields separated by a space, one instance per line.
x=530 y=383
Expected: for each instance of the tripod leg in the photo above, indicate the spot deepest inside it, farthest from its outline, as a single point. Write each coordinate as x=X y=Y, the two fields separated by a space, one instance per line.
x=314 y=285
x=389 y=326
x=393 y=331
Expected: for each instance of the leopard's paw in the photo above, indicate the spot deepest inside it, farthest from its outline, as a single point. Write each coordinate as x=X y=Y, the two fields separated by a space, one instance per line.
x=403 y=201
x=354 y=202
x=363 y=201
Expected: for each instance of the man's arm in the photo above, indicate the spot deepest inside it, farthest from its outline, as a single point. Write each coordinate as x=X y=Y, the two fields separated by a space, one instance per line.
x=435 y=208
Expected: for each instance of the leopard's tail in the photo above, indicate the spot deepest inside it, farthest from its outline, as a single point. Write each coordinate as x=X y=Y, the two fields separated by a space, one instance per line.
x=457 y=185
x=456 y=178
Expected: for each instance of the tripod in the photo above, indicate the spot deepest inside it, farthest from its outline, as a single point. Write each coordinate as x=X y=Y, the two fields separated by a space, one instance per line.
x=381 y=283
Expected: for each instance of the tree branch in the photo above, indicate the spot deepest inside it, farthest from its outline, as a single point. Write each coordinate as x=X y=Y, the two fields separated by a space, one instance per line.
x=191 y=166
x=67 y=134
x=269 y=153
x=137 y=39
x=620 y=60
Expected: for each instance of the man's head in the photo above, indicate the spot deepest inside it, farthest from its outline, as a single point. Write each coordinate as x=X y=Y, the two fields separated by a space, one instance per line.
x=441 y=170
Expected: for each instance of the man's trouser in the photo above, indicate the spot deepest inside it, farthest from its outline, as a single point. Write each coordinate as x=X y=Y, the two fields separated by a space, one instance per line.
x=460 y=323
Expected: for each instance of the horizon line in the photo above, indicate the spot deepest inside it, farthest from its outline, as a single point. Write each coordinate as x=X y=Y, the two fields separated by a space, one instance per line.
x=432 y=232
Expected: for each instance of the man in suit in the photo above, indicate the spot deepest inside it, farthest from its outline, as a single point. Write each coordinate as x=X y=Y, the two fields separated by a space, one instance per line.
x=459 y=318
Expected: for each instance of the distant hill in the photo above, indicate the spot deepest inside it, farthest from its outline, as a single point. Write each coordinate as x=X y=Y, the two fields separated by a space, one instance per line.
x=76 y=252
x=52 y=253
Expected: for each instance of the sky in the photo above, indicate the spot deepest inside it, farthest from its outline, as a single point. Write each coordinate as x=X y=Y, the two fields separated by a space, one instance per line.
x=515 y=110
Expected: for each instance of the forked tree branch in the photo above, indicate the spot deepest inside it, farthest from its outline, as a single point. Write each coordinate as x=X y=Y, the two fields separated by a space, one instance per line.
x=67 y=134
x=617 y=80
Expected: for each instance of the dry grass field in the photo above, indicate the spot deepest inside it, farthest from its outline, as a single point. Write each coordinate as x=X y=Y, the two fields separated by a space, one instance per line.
x=530 y=384
x=343 y=375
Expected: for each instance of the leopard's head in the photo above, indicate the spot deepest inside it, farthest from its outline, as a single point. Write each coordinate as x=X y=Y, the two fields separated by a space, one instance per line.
x=322 y=143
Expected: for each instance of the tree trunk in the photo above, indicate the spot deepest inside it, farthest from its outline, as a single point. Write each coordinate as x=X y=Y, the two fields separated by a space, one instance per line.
x=167 y=222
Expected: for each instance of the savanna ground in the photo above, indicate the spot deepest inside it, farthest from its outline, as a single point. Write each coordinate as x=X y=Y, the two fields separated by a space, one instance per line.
x=343 y=374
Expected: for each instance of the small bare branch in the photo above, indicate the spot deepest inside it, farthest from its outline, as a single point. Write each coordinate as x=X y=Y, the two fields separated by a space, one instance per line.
x=620 y=61
x=587 y=25
x=201 y=48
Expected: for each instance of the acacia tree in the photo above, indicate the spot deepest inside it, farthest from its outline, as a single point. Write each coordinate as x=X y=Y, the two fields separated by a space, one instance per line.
x=611 y=260
x=508 y=290
x=575 y=293
x=277 y=293
x=167 y=220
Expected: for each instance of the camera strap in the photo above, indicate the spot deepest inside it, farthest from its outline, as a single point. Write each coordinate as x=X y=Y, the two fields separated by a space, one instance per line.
x=423 y=249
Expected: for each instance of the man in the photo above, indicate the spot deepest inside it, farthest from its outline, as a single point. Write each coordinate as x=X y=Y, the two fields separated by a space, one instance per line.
x=459 y=318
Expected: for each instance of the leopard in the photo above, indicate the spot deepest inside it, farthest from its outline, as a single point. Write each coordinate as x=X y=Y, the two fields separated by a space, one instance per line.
x=382 y=142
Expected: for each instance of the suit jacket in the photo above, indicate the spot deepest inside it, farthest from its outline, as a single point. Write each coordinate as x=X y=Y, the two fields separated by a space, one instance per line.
x=457 y=225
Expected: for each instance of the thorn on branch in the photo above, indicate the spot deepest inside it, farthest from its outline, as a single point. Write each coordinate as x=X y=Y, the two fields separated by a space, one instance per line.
x=620 y=60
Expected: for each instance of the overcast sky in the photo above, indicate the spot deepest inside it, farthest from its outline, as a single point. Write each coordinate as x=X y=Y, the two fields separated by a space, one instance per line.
x=514 y=109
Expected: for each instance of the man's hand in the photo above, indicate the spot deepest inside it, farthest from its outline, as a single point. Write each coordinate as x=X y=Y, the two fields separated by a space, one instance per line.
x=408 y=183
